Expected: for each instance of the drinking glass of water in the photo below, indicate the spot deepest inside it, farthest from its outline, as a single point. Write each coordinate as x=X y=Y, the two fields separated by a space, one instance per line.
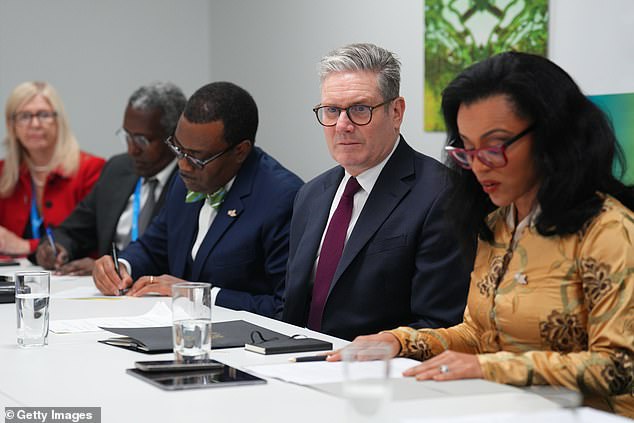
x=191 y=317
x=366 y=386
x=32 y=290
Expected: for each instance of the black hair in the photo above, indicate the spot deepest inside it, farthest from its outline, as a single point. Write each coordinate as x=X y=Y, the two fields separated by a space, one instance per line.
x=226 y=102
x=575 y=150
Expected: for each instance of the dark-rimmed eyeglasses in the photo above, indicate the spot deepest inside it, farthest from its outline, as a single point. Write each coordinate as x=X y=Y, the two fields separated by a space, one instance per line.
x=25 y=118
x=490 y=156
x=125 y=137
x=359 y=114
x=172 y=141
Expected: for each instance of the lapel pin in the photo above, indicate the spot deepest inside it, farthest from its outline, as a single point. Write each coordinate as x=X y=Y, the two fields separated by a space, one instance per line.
x=232 y=213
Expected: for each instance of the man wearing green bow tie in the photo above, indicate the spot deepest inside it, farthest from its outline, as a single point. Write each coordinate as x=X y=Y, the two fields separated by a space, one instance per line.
x=225 y=220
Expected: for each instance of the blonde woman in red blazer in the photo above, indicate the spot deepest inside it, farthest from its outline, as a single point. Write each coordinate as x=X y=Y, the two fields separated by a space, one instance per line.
x=44 y=174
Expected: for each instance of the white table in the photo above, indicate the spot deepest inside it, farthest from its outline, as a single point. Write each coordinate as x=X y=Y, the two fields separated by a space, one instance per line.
x=75 y=370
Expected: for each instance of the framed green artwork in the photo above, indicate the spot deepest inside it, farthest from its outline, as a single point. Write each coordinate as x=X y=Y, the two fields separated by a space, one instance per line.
x=461 y=32
x=620 y=110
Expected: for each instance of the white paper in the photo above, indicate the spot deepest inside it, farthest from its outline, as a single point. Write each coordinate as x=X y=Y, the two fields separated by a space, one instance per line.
x=315 y=372
x=576 y=415
x=159 y=315
x=81 y=292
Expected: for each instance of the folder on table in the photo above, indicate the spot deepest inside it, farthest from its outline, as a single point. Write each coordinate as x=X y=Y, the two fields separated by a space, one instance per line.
x=158 y=340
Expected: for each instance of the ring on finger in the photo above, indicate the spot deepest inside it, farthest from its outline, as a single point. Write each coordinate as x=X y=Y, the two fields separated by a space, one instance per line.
x=151 y=280
x=443 y=368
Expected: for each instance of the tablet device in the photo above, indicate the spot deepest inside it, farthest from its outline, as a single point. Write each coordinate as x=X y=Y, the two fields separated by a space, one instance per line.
x=175 y=366
x=196 y=379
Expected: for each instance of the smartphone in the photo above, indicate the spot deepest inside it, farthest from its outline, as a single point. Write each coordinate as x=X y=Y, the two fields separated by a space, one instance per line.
x=175 y=366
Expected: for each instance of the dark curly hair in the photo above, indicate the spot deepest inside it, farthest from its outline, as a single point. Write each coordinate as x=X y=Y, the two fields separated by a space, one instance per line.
x=574 y=146
x=226 y=102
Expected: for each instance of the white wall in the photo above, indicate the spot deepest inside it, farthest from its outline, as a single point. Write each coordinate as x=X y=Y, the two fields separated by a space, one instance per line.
x=272 y=48
x=97 y=52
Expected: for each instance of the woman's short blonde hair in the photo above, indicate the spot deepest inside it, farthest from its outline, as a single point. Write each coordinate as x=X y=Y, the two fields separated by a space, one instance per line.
x=66 y=153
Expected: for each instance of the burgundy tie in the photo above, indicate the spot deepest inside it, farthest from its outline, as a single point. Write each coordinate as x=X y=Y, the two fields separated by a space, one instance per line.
x=330 y=255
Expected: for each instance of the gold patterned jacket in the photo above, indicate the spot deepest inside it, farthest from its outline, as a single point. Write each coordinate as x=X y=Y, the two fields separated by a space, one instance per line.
x=561 y=314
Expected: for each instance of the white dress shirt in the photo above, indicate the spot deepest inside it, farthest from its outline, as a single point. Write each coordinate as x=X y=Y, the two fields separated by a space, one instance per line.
x=124 y=226
x=366 y=179
x=206 y=217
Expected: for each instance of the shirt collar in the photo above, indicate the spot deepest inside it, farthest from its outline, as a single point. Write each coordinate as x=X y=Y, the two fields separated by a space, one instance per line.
x=164 y=175
x=529 y=220
x=368 y=177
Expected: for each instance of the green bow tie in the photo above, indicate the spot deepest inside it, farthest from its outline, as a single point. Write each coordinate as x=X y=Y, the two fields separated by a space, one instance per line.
x=215 y=200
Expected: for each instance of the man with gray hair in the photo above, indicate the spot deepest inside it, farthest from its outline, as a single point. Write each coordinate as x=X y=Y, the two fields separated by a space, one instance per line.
x=369 y=247
x=130 y=190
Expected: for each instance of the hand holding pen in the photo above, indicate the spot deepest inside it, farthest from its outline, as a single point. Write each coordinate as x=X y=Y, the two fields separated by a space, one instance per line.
x=49 y=254
x=117 y=267
x=109 y=278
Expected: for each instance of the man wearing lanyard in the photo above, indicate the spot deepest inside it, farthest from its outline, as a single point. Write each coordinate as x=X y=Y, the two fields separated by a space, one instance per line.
x=131 y=188
x=225 y=220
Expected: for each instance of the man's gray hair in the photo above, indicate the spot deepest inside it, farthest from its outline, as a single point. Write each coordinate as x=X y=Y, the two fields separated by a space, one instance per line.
x=163 y=96
x=365 y=57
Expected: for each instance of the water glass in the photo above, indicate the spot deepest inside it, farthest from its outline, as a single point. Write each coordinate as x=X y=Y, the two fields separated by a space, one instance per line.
x=191 y=317
x=366 y=385
x=32 y=291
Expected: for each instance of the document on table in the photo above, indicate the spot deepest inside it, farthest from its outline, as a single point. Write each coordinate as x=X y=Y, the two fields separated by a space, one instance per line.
x=159 y=315
x=82 y=292
x=317 y=372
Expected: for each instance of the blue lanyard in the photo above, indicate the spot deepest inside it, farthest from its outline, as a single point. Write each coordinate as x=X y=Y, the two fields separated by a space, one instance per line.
x=136 y=207
x=36 y=219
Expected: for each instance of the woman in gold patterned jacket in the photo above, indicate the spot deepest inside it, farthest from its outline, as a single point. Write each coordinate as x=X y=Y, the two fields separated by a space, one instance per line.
x=551 y=295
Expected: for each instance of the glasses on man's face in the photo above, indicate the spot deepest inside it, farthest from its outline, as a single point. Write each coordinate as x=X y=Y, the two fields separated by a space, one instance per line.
x=172 y=141
x=140 y=141
x=359 y=114
x=491 y=156
x=45 y=117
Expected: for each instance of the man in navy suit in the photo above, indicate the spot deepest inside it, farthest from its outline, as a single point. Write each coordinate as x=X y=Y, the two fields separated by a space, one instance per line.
x=397 y=261
x=225 y=220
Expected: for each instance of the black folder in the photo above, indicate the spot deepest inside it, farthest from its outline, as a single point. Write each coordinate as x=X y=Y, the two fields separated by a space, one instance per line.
x=158 y=340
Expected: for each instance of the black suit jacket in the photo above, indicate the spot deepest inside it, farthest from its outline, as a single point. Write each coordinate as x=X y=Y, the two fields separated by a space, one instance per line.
x=401 y=265
x=92 y=226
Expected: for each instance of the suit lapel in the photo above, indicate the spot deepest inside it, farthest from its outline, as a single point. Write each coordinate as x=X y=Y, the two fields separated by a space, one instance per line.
x=118 y=199
x=186 y=227
x=163 y=196
x=386 y=194
x=229 y=212
x=315 y=226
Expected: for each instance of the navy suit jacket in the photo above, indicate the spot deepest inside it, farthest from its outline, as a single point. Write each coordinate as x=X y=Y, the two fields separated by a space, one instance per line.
x=244 y=251
x=92 y=225
x=401 y=265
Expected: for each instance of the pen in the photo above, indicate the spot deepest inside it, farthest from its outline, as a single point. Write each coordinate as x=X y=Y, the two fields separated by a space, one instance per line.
x=115 y=259
x=308 y=358
x=51 y=240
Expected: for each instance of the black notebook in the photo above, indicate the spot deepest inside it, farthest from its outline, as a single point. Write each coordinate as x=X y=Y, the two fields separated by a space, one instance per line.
x=288 y=345
x=158 y=340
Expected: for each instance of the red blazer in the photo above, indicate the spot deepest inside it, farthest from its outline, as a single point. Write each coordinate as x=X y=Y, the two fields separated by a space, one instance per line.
x=61 y=195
